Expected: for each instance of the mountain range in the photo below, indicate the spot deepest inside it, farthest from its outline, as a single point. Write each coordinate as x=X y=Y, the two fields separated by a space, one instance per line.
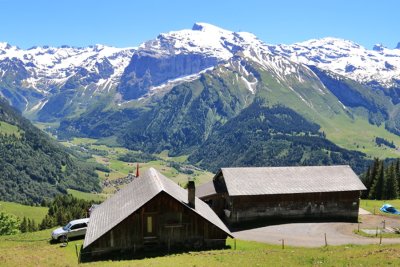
x=187 y=91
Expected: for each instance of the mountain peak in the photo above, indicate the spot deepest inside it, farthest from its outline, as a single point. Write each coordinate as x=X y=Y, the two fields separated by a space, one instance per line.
x=5 y=45
x=333 y=41
x=398 y=46
x=206 y=27
x=378 y=47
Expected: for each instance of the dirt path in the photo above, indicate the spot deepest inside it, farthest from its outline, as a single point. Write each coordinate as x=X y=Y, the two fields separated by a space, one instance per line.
x=313 y=234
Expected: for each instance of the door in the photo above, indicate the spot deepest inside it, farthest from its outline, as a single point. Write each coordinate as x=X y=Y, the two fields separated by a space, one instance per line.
x=77 y=230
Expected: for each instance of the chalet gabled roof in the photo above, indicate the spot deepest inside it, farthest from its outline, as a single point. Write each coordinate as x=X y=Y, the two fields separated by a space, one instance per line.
x=290 y=180
x=137 y=193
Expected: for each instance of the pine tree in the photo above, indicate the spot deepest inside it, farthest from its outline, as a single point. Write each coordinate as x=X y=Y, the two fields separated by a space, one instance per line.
x=24 y=225
x=32 y=225
x=367 y=182
x=391 y=186
x=376 y=191
x=397 y=174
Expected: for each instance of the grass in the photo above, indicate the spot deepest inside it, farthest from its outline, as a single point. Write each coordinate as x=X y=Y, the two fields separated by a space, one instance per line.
x=373 y=206
x=33 y=249
x=19 y=210
x=9 y=129
x=120 y=169
x=87 y=196
x=384 y=235
x=359 y=135
x=350 y=133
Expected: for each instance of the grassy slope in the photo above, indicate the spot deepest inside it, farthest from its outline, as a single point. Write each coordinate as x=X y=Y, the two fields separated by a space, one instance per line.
x=8 y=129
x=121 y=169
x=87 y=196
x=323 y=108
x=374 y=205
x=19 y=210
x=33 y=249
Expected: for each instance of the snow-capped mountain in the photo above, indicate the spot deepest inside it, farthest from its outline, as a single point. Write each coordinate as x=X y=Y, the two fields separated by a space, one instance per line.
x=44 y=70
x=178 y=54
x=64 y=81
x=379 y=65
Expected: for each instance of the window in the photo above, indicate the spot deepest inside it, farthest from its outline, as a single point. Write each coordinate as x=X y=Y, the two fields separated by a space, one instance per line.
x=149 y=224
x=78 y=226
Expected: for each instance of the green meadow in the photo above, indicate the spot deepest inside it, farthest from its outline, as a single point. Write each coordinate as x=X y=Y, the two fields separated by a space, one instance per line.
x=108 y=156
x=33 y=249
x=9 y=129
x=21 y=211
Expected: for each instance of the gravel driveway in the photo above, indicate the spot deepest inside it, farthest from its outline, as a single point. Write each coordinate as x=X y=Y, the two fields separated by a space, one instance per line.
x=313 y=234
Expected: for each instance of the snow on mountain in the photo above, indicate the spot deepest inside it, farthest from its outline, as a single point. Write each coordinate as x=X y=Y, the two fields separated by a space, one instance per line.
x=347 y=58
x=56 y=64
x=202 y=47
x=180 y=56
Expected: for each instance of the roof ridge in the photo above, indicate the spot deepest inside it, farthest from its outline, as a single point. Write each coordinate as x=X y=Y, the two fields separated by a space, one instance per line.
x=160 y=184
x=286 y=167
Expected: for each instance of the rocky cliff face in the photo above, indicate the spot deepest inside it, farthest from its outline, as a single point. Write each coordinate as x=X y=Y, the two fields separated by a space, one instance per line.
x=147 y=71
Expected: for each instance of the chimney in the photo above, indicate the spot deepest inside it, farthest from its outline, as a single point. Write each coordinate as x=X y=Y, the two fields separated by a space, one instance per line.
x=191 y=193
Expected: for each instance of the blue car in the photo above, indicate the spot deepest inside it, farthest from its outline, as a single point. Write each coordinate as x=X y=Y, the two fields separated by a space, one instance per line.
x=389 y=209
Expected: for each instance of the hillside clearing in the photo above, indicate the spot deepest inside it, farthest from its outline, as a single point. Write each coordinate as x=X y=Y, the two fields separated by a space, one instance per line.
x=21 y=211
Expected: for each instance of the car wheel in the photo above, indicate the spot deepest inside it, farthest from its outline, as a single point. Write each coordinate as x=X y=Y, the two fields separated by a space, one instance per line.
x=63 y=239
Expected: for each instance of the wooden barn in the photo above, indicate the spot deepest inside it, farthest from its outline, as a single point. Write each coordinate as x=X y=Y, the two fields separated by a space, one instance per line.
x=152 y=213
x=270 y=194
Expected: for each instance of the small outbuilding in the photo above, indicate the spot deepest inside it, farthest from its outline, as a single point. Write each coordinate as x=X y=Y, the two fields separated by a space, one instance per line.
x=271 y=194
x=152 y=213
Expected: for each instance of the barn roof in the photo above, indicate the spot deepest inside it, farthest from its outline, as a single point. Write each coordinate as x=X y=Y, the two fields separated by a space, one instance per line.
x=137 y=193
x=290 y=180
x=206 y=189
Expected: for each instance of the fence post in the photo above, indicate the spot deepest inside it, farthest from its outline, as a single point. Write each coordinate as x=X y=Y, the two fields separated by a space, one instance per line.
x=283 y=243
x=80 y=254
x=234 y=243
x=326 y=242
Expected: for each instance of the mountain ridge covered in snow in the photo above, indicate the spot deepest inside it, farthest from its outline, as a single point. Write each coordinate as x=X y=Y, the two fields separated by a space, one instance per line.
x=43 y=77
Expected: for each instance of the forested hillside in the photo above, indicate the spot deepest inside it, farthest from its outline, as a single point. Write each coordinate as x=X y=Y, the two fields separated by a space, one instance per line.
x=276 y=136
x=34 y=167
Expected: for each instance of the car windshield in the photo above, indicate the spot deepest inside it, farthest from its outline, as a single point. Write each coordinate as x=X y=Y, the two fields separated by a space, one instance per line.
x=67 y=227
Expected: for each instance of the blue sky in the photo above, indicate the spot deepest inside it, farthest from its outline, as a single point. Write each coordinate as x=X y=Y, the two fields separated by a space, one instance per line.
x=125 y=23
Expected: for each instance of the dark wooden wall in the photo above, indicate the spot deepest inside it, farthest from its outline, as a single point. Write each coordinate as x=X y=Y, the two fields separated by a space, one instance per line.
x=324 y=205
x=174 y=226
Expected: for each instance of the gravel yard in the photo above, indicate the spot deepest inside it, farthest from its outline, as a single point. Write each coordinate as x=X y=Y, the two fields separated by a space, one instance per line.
x=313 y=234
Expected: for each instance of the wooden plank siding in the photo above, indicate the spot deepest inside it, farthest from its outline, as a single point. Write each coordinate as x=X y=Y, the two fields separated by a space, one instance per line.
x=163 y=222
x=327 y=205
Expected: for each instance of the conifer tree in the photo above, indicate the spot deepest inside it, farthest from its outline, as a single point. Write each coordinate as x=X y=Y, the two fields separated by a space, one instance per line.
x=377 y=187
x=32 y=225
x=24 y=225
x=391 y=186
x=397 y=174
x=367 y=182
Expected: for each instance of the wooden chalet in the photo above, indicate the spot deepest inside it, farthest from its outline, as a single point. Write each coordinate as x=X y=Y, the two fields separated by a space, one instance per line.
x=270 y=194
x=152 y=213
